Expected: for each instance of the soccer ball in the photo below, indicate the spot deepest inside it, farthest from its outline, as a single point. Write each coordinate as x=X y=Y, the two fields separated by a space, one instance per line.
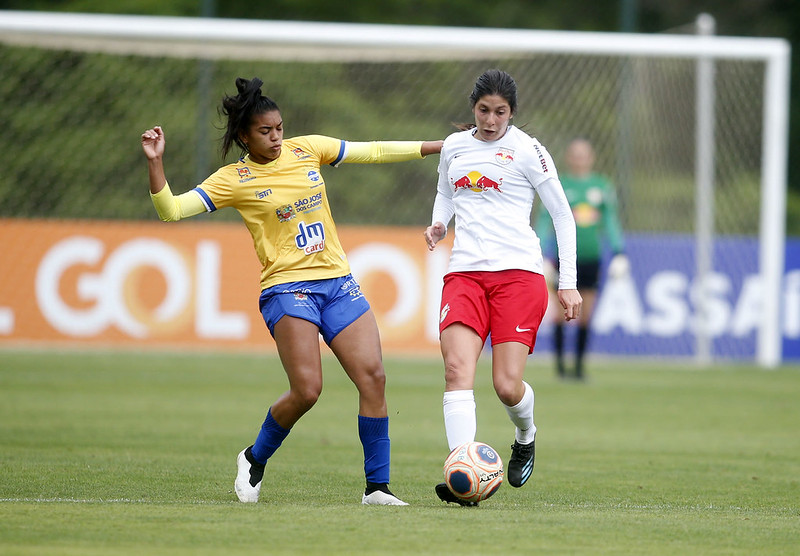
x=473 y=471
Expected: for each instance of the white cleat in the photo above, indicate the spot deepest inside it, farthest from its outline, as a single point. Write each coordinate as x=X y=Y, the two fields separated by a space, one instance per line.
x=247 y=474
x=380 y=498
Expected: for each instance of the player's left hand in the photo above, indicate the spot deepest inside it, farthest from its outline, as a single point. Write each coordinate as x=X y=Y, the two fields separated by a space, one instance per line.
x=571 y=301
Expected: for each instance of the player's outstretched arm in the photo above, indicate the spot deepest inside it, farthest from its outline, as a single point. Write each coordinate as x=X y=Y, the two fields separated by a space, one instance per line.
x=431 y=147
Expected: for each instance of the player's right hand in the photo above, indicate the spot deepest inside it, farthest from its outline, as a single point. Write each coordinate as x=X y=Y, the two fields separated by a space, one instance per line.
x=433 y=234
x=153 y=143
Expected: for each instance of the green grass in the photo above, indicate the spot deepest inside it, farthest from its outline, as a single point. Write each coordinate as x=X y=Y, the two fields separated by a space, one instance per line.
x=127 y=453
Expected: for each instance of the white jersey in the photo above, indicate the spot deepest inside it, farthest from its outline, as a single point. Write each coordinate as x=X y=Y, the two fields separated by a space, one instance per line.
x=490 y=187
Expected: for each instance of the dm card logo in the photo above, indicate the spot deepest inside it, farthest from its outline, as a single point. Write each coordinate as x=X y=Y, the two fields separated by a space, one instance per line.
x=504 y=155
x=285 y=213
x=477 y=182
x=311 y=237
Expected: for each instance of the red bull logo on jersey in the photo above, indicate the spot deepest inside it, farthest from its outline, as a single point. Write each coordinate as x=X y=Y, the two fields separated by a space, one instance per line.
x=504 y=155
x=477 y=182
x=285 y=213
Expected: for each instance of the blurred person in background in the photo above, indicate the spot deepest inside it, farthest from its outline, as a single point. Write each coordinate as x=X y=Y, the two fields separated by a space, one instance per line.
x=307 y=288
x=489 y=174
x=594 y=206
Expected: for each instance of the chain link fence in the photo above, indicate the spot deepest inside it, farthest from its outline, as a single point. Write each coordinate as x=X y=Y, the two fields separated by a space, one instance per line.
x=72 y=122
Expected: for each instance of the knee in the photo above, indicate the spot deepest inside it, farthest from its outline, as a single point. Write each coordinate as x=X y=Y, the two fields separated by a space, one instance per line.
x=456 y=376
x=307 y=395
x=508 y=392
x=374 y=378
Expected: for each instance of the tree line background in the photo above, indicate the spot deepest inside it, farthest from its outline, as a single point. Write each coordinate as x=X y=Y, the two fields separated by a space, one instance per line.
x=765 y=18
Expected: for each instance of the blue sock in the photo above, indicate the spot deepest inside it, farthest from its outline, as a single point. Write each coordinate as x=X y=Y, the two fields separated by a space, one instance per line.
x=374 y=435
x=269 y=439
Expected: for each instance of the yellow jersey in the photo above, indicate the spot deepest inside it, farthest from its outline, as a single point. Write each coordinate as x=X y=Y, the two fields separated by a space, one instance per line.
x=285 y=207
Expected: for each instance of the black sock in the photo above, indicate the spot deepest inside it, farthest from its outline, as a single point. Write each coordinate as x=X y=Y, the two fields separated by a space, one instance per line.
x=372 y=487
x=558 y=342
x=583 y=340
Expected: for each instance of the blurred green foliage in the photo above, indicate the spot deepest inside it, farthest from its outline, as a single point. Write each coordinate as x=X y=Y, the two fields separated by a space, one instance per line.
x=39 y=182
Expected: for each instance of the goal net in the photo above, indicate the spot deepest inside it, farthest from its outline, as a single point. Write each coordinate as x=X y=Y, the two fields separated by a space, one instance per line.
x=698 y=162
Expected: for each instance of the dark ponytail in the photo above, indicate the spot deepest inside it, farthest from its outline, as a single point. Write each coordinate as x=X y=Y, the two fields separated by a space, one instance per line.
x=240 y=110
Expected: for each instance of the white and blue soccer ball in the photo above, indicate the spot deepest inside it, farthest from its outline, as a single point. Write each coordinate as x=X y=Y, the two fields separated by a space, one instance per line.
x=473 y=471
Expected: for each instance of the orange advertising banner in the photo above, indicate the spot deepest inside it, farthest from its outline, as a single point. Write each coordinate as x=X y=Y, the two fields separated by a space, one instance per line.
x=191 y=285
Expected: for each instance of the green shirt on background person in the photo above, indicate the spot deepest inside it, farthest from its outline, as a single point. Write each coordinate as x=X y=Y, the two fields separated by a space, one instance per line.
x=594 y=206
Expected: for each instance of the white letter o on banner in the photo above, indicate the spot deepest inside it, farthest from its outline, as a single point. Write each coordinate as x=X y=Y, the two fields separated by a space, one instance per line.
x=146 y=252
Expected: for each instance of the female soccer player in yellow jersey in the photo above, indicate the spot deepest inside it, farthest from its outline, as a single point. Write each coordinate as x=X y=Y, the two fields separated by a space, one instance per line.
x=306 y=284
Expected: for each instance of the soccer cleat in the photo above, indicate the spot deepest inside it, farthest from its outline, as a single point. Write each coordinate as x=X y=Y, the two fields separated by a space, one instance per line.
x=520 y=465
x=248 y=477
x=380 y=498
x=445 y=495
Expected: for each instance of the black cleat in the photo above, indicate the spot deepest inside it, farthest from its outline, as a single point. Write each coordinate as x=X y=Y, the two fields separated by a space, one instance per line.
x=445 y=495
x=520 y=466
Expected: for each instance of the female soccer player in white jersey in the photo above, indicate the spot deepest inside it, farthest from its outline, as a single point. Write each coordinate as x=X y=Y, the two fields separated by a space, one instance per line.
x=306 y=284
x=488 y=176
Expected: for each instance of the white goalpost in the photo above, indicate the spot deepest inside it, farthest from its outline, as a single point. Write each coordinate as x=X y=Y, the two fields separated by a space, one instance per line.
x=555 y=65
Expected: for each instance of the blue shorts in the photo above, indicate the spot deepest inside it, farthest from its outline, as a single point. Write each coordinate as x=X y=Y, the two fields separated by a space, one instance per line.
x=332 y=304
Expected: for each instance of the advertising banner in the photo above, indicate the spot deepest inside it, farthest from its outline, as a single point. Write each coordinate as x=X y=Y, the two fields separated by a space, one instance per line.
x=192 y=285
x=195 y=285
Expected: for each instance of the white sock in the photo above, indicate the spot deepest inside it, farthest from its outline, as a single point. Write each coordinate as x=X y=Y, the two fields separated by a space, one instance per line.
x=522 y=416
x=460 y=423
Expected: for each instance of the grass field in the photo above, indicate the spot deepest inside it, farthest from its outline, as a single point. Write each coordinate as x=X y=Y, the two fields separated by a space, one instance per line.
x=126 y=453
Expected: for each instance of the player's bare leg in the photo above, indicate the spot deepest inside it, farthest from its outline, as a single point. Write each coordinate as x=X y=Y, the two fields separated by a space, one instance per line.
x=508 y=367
x=298 y=347
x=358 y=349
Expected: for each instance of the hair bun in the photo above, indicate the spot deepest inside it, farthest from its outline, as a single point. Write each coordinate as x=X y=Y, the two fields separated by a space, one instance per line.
x=249 y=87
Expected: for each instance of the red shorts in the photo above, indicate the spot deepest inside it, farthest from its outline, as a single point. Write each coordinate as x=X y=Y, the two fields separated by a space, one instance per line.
x=508 y=303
